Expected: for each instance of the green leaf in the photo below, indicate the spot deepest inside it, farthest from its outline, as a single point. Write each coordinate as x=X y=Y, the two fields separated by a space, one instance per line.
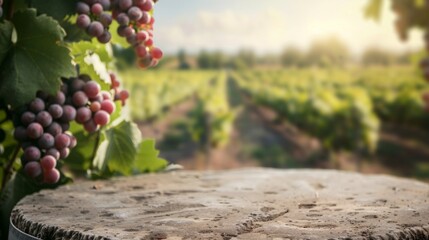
x=419 y=3
x=373 y=9
x=55 y=8
x=6 y=30
x=118 y=152
x=147 y=158
x=36 y=61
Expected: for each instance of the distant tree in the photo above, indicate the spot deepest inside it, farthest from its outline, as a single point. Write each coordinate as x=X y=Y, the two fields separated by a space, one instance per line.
x=328 y=52
x=377 y=56
x=215 y=60
x=183 y=61
x=292 y=57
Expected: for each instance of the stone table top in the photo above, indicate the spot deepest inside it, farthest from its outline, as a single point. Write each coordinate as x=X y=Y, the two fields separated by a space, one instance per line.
x=232 y=204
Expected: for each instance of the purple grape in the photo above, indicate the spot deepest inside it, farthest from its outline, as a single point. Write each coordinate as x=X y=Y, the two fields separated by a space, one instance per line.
x=92 y=89
x=105 y=19
x=54 y=129
x=62 y=141
x=95 y=29
x=27 y=118
x=97 y=9
x=55 y=110
x=76 y=85
x=90 y=126
x=33 y=169
x=105 y=4
x=58 y=98
x=51 y=176
x=80 y=99
x=65 y=126
x=48 y=162
x=121 y=31
x=37 y=105
x=83 y=115
x=64 y=153
x=146 y=6
x=134 y=13
x=82 y=8
x=34 y=130
x=129 y=31
x=32 y=154
x=54 y=153
x=83 y=21
x=145 y=19
x=44 y=118
x=46 y=141
x=69 y=113
x=125 y=4
x=123 y=19
x=105 y=37
x=132 y=40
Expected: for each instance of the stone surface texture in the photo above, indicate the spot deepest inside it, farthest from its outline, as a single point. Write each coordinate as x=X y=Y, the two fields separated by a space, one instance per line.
x=233 y=204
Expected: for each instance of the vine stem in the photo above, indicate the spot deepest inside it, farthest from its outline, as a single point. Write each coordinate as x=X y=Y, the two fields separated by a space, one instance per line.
x=7 y=170
x=96 y=145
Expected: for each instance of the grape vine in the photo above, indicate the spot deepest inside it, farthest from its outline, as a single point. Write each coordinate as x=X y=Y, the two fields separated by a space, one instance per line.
x=56 y=123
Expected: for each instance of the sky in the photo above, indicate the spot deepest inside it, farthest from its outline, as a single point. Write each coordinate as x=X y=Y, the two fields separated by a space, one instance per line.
x=271 y=25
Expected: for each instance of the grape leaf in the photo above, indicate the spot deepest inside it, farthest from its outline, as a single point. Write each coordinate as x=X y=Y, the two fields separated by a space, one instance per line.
x=373 y=9
x=36 y=61
x=118 y=152
x=55 y=8
x=147 y=158
x=6 y=30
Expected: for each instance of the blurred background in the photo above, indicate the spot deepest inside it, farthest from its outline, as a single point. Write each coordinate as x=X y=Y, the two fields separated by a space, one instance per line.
x=284 y=84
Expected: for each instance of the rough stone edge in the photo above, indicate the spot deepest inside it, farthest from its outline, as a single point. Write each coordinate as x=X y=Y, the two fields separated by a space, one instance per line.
x=44 y=231
x=52 y=232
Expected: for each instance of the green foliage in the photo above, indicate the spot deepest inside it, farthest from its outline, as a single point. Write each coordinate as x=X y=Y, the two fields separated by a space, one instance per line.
x=147 y=157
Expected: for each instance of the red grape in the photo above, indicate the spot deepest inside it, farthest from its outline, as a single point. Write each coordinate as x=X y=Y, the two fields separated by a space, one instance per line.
x=83 y=21
x=97 y=9
x=80 y=99
x=83 y=114
x=62 y=141
x=55 y=110
x=91 y=88
x=95 y=29
x=33 y=169
x=34 y=130
x=108 y=106
x=32 y=154
x=90 y=126
x=156 y=53
x=95 y=106
x=48 y=162
x=51 y=176
x=37 y=105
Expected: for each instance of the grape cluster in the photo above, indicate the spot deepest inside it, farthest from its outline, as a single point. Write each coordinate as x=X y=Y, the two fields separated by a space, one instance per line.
x=120 y=95
x=42 y=127
x=135 y=24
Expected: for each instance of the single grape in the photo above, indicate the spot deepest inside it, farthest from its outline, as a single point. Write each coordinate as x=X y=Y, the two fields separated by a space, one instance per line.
x=58 y=98
x=101 y=118
x=105 y=4
x=80 y=99
x=62 y=141
x=48 y=162
x=64 y=153
x=32 y=153
x=69 y=113
x=125 y=4
x=141 y=51
x=65 y=126
x=129 y=31
x=156 y=53
x=34 y=130
x=106 y=95
x=73 y=141
x=46 y=141
x=105 y=19
x=123 y=19
x=51 y=176
x=76 y=85
x=134 y=13
x=149 y=42
x=82 y=8
x=44 y=118
x=95 y=106
x=146 y=6
x=124 y=95
x=55 y=110
x=142 y=36
x=145 y=18
x=27 y=118
x=108 y=106
x=105 y=37
x=37 y=105
x=90 y=126
x=33 y=169
x=83 y=114
x=97 y=9
x=91 y=88
x=20 y=134
x=54 y=153
x=54 y=129
x=83 y=21
x=132 y=40
x=145 y=62
x=95 y=29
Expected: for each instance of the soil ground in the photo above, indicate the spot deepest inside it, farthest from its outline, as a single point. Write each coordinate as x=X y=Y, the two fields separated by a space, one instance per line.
x=259 y=138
